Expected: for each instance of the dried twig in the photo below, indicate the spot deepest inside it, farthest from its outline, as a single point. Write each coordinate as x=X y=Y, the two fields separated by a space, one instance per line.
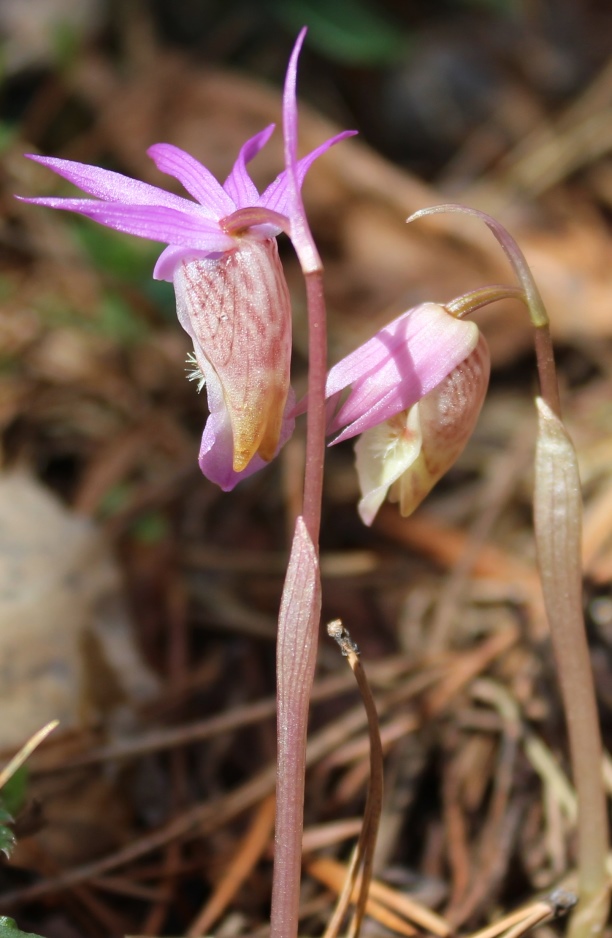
x=362 y=860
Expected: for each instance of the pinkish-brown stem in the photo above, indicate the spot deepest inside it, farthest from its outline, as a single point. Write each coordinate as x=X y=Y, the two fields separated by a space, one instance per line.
x=547 y=372
x=315 y=420
x=296 y=654
x=298 y=632
x=298 y=625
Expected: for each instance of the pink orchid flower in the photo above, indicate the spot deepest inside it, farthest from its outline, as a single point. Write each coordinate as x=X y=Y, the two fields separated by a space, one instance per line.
x=416 y=391
x=231 y=294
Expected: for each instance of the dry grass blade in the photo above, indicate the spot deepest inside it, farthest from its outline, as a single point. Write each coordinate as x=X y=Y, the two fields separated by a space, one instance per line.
x=335 y=875
x=508 y=922
x=390 y=908
x=26 y=751
x=239 y=868
x=518 y=923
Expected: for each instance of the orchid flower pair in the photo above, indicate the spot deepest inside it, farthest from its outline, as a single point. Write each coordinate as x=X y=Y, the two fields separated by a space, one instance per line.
x=415 y=388
x=412 y=394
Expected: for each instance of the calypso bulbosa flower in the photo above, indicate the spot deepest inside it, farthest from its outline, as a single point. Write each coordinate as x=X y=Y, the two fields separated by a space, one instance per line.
x=221 y=256
x=416 y=391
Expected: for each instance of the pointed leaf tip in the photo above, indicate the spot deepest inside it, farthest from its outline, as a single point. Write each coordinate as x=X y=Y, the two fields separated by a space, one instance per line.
x=557 y=513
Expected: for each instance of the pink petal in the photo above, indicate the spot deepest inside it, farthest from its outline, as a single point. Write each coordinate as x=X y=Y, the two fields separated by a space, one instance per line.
x=400 y=364
x=170 y=258
x=406 y=455
x=277 y=196
x=112 y=187
x=197 y=180
x=158 y=223
x=239 y=185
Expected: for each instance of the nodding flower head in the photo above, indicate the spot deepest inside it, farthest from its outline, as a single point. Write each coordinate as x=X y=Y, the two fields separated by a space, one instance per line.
x=416 y=391
x=221 y=255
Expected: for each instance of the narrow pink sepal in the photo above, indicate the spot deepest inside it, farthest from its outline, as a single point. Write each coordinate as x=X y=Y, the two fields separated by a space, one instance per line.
x=277 y=196
x=301 y=235
x=398 y=366
x=110 y=186
x=194 y=177
x=290 y=118
x=146 y=211
x=239 y=185
x=155 y=222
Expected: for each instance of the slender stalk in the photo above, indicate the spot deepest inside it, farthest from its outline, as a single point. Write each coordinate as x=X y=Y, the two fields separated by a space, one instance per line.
x=315 y=419
x=530 y=296
x=558 y=527
x=363 y=854
x=298 y=638
x=535 y=304
x=312 y=269
x=373 y=809
x=298 y=625
x=547 y=372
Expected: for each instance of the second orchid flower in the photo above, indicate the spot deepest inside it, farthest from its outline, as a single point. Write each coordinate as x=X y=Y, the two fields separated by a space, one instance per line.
x=417 y=388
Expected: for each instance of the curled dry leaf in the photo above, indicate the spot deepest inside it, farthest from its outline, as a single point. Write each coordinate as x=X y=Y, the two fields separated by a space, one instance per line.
x=66 y=650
